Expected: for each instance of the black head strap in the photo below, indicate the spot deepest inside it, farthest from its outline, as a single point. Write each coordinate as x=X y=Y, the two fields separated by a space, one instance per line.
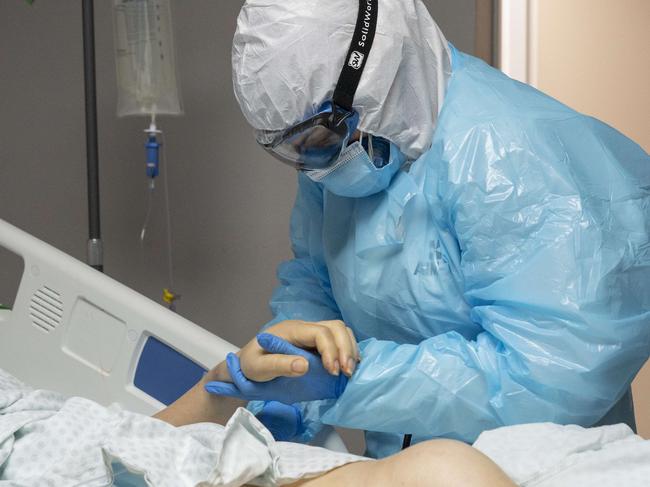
x=355 y=61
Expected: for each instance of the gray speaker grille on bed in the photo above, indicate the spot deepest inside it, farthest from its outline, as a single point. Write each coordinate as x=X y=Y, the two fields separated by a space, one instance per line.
x=46 y=309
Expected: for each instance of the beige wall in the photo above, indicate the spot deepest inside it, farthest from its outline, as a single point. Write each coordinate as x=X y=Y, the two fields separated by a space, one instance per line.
x=593 y=55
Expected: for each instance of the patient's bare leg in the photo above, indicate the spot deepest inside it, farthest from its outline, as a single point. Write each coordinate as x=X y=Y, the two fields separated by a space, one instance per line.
x=444 y=463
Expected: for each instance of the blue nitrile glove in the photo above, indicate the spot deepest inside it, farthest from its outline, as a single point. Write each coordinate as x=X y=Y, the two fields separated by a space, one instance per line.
x=316 y=384
x=284 y=421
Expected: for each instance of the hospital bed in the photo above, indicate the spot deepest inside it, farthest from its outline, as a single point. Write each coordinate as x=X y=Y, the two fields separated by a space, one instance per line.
x=77 y=331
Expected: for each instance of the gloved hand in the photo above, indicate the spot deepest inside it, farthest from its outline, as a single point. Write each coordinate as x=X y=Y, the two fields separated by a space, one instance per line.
x=284 y=421
x=314 y=385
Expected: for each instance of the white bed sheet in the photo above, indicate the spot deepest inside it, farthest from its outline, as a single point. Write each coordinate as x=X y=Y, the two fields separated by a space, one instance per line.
x=551 y=455
x=48 y=439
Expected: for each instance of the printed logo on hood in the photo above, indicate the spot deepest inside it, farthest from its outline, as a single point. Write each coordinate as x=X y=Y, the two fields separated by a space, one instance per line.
x=356 y=60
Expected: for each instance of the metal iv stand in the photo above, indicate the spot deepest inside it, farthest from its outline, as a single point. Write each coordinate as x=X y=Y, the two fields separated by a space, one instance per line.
x=95 y=254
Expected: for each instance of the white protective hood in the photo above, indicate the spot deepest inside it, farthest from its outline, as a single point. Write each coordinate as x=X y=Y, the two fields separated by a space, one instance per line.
x=287 y=57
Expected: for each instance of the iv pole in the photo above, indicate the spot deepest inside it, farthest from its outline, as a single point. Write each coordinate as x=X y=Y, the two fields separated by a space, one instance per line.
x=95 y=248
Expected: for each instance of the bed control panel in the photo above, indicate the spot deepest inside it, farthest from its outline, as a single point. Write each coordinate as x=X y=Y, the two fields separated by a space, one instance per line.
x=164 y=373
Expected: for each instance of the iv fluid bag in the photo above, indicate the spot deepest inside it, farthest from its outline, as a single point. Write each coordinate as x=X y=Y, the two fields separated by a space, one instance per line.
x=144 y=58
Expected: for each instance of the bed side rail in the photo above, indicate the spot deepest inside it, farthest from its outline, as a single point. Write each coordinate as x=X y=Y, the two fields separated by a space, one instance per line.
x=76 y=330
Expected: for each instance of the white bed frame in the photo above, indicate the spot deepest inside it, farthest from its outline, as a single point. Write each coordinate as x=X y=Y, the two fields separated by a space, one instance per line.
x=75 y=330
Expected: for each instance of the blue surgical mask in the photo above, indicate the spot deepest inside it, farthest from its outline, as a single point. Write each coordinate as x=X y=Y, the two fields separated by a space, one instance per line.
x=355 y=174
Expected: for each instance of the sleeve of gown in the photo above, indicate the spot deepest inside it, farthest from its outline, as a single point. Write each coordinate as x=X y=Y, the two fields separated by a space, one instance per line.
x=304 y=291
x=555 y=258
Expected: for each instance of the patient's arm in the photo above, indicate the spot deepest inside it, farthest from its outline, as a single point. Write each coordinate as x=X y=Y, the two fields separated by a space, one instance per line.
x=435 y=463
x=199 y=406
x=331 y=339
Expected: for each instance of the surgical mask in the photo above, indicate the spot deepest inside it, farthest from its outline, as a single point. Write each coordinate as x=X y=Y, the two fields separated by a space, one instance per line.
x=355 y=174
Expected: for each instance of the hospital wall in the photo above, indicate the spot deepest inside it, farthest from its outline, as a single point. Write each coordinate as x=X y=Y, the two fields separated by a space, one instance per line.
x=230 y=202
x=594 y=56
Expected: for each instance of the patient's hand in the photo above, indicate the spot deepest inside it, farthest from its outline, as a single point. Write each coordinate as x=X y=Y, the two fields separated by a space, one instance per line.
x=331 y=339
x=334 y=341
x=274 y=367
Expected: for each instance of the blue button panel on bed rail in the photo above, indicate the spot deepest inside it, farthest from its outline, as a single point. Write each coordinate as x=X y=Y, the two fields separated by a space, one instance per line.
x=164 y=373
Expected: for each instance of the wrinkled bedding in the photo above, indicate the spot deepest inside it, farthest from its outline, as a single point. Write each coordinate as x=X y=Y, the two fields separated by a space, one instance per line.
x=47 y=439
x=550 y=455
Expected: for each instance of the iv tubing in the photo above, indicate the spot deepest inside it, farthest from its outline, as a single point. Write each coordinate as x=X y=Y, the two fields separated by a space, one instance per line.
x=170 y=259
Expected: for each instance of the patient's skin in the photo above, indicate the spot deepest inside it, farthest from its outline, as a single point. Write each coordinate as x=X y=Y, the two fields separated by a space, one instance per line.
x=199 y=406
x=434 y=463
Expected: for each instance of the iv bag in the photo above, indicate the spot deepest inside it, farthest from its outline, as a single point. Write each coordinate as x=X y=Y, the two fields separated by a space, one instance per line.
x=144 y=58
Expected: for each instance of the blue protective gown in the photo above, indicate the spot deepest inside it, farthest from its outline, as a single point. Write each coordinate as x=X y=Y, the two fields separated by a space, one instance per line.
x=502 y=278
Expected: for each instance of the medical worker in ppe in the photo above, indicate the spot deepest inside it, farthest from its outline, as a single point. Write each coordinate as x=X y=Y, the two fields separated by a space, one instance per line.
x=488 y=245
